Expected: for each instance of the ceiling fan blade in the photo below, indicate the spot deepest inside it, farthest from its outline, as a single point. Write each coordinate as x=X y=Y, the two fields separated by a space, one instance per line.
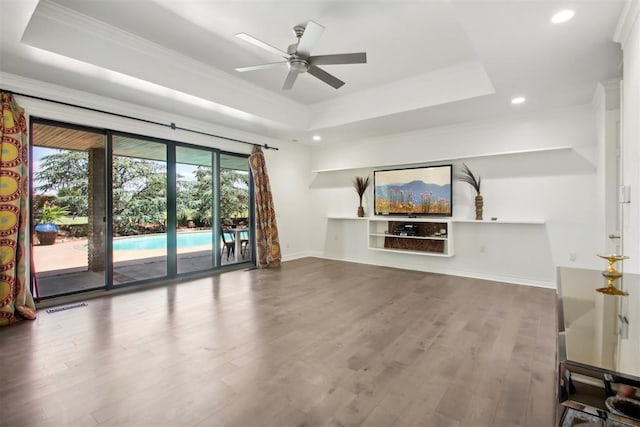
x=325 y=77
x=260 y=67
x=341 y=58
x=290 y=80
x=310 y=37
x=254 y=41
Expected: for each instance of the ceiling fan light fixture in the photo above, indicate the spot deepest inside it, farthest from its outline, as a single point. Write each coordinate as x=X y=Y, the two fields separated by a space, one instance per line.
x=299 y=65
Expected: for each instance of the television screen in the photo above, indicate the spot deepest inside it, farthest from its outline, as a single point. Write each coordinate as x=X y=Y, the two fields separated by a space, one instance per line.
x=417 y=191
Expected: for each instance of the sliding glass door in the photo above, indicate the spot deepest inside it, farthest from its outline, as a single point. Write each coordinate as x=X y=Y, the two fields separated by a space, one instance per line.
x=139 y=212
x=194 y=209
x=234 y=209
x=67 y=208
x=112 y=209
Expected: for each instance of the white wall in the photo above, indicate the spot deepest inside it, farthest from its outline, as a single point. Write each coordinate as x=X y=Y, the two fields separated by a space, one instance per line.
x=629 y=36
x=550 y=174
x=606 y=103
x=289 y=177
x=631 y=142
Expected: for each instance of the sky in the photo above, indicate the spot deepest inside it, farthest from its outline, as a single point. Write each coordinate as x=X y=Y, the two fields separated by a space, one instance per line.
x=435 y=175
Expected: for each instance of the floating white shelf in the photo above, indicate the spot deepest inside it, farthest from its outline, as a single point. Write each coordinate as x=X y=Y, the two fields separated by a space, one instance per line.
x=346 y=217
x=448 y=159
x=408 y=219
x=501 y=221
x=532 y=221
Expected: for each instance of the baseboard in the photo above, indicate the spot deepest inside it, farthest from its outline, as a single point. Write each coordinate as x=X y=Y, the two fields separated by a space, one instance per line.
x=297 y=255
x=504 y=278
x=459 y=273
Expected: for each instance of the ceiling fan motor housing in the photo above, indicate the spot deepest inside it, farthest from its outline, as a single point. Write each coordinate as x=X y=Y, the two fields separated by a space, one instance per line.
x=298 y=64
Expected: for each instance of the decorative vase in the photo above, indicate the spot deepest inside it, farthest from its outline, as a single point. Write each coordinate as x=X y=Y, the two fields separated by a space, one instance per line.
x=360 y=212
x=479 y=204
x=46 y=233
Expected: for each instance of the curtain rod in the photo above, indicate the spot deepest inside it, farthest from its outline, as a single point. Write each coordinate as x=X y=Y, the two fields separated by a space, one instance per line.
x=171 y=125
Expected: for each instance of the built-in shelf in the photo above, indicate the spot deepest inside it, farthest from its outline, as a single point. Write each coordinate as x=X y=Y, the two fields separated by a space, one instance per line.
x=410 y=237
x=404 y=251
x=447 y=159
x=416 y=236
x=429 y=238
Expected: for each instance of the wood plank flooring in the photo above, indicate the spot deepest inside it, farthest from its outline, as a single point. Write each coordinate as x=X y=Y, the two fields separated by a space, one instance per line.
x=316 y=343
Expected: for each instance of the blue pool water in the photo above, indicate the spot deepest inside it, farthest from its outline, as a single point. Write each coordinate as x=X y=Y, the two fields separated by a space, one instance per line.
x=159 y=241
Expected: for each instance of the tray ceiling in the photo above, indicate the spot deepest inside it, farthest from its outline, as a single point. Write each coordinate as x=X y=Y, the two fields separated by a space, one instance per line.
x=429 y=63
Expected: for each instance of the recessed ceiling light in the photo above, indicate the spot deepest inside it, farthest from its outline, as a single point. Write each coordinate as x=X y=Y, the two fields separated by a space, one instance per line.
x=317 y=138
x=518 y=100
x=563 y=16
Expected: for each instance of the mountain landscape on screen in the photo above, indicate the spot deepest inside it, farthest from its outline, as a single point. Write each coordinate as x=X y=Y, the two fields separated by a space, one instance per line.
x=415 y=197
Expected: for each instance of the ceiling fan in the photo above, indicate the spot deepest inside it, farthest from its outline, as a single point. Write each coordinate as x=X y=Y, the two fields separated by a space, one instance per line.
x=298 y=56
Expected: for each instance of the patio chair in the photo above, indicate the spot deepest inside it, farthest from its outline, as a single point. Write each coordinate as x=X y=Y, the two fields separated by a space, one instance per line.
x=228 y=243
x=244 y=242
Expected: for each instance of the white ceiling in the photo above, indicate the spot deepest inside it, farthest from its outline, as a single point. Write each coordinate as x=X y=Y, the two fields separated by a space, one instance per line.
x=430 y=62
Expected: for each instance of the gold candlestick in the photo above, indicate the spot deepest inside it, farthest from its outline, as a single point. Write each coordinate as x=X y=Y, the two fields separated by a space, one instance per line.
x=611 y=274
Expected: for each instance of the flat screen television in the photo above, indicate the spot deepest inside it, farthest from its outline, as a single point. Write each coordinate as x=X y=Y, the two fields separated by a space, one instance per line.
x=421 y=191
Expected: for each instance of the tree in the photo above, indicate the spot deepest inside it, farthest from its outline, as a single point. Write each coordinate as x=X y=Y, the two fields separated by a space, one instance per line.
x=140 y=191
x=185 y=210
x=67 y=174
x=234 y=194
x=139 y=188
x=139 y=195
x=202 y=199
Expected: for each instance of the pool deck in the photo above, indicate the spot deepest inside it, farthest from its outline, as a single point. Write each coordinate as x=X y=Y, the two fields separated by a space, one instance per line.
x=62 y=267
x=73 y=254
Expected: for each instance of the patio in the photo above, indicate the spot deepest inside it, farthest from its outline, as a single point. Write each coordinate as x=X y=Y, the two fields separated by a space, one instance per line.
x=62 y=268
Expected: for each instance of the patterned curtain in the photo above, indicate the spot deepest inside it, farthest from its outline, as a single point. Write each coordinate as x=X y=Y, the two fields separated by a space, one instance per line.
x=266 y=228
x=16 y=301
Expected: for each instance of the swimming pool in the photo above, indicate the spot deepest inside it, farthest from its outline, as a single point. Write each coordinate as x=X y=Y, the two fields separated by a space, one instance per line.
x=159 y=241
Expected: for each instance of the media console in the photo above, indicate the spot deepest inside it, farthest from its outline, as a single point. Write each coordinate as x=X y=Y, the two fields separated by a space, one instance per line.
x=419 y=236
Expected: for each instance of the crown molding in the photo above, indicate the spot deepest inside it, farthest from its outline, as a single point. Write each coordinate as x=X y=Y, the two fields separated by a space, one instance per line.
x=627 y=21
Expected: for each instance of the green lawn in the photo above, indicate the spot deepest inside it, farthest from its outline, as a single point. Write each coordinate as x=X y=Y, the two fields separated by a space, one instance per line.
x=68 y=220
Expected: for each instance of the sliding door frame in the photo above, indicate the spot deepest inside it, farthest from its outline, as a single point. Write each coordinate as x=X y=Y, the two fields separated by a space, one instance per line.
x=171 y=191
x=33 y=275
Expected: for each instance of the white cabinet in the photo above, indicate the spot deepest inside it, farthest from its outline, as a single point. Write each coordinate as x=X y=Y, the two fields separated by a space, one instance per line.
x=419 y=236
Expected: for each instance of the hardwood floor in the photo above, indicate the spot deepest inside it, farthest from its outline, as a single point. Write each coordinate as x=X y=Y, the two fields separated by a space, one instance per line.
x=315 y=343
